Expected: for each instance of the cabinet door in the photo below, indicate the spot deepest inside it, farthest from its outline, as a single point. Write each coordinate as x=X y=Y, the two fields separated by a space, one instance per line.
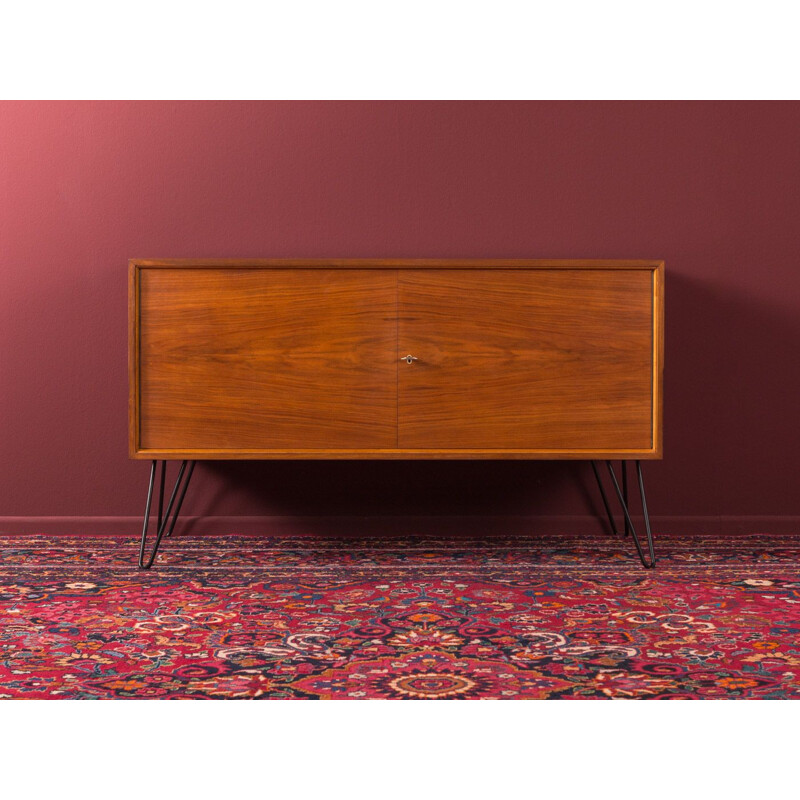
x=557 y=361
x=249 y=361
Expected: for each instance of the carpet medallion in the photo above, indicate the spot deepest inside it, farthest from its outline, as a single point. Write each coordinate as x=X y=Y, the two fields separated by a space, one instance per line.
x=401 y=618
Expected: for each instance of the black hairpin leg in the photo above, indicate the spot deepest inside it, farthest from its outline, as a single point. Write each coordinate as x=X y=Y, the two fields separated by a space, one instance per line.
x=166 y=519
x=605 y=500
x=622 y=495
x=623 y=465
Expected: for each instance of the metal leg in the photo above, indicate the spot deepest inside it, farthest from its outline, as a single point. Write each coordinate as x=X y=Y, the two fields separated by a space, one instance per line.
x=646 y=513
x=166 y=524
x=624 y=470
x=629 y=523
x=161 y=493
x=605 y=500
x=180 y=498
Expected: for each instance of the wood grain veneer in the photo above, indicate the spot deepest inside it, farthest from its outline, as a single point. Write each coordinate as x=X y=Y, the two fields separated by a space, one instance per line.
x=270 y=358
x=299 y=358
x=548 y=359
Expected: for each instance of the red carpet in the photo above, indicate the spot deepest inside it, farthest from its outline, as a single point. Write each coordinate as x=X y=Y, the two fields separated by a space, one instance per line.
x=545 y=617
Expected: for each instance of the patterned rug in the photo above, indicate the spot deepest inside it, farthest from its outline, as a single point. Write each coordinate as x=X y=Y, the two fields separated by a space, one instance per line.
x=407 y=618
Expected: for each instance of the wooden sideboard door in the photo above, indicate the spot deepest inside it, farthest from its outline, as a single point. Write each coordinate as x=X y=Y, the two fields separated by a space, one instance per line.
x=552 y=359
x=238 y=360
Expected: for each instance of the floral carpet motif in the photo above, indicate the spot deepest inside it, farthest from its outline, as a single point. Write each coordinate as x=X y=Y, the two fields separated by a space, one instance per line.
x=405 y=618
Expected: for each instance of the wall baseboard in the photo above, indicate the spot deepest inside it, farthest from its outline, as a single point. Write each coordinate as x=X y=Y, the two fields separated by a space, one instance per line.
x=494 y=525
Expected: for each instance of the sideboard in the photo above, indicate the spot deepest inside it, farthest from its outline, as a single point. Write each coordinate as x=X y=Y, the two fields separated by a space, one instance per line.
x=395 y=359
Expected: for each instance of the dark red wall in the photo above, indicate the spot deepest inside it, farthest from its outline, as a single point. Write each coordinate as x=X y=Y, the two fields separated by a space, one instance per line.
x=712 y=188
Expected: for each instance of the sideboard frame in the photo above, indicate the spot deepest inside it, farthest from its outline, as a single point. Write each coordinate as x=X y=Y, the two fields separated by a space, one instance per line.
x=165 y=519
x=136 y=265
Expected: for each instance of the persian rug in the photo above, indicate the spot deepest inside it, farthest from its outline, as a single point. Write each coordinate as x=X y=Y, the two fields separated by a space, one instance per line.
x=407 y=618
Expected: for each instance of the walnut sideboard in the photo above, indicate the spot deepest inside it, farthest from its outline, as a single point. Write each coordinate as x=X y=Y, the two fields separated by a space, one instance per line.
x=394 y=359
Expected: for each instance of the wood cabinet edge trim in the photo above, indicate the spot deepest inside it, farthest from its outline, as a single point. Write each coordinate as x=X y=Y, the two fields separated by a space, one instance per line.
x=658 y=358
x=392 y=263
x=392 y=454
x=135 y=265
x=133 y=359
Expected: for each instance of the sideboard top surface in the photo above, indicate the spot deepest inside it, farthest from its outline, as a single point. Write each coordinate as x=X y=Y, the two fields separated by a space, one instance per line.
x=200 y=348
x=398 y=263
